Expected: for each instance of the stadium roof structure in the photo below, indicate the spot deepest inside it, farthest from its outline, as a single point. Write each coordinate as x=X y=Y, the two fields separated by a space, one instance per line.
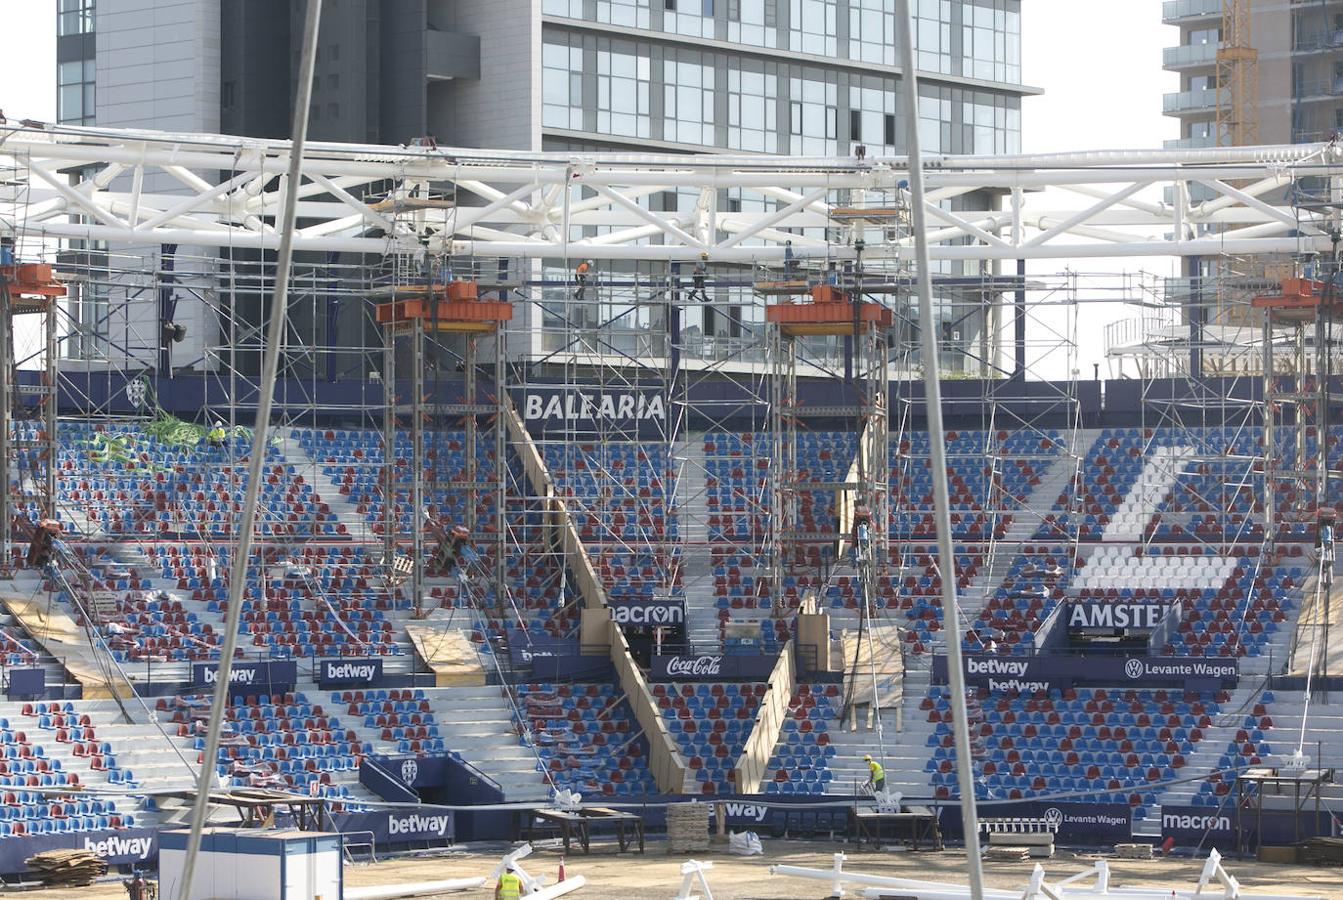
x=220 y=191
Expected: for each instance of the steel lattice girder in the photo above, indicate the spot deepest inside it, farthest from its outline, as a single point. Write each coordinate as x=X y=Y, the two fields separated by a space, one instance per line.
x=224 y=191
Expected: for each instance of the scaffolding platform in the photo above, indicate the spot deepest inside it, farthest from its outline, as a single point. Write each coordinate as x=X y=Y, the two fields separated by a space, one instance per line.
x=829 y=312
x=411 y=204
x=454 y=306
x=31 y=287
x=1298 y=300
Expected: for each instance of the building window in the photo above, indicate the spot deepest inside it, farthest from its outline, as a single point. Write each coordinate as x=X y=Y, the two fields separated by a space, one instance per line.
x=752 y=22
x=1203 y=36
x=872 y=31
x=815 y=117
x=75 y=92
x=869 y=110
x=752 y=111
x=688 y=102
x=75 y=17
x=689 y=17
x=632 y=13
x=622 y=93
x=812 y=27
x=562 y=96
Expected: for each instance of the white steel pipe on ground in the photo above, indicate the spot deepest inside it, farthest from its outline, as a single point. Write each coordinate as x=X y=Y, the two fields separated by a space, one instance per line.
x=411 y=889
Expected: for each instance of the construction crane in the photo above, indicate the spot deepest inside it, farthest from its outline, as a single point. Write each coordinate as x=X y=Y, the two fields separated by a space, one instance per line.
x=1237 y=78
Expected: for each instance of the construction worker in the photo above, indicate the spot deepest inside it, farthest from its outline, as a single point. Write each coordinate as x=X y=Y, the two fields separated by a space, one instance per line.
x=42 y=546
x=1324 y=536
x=697 y=280
x=876 y=774
x=862 y=534
x=581 y=272
x=216 y=436
x=510 y=884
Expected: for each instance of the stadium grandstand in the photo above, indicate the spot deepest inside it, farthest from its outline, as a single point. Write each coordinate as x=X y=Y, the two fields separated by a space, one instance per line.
x=666 y=526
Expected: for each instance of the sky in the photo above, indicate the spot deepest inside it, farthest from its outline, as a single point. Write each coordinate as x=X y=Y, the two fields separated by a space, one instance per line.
x=1102 y=78
x=1100 y=70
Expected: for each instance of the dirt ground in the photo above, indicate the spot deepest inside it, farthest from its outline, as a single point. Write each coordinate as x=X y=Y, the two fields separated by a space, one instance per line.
x=613 y=876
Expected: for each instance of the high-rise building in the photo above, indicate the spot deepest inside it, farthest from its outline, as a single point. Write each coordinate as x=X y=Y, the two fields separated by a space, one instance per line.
x=784 y=76
x=815 y=77
x=1299 y=49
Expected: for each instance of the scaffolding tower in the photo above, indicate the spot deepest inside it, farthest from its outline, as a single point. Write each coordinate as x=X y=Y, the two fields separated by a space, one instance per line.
x=836 y=310
x=417 y=314
x=1300 y=351
x=28 y=441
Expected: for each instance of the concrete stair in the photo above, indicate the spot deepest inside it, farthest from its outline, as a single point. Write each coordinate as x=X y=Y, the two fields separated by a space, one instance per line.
x=347 y=513
x=692 y=511
x=902 y=748
x=477 y=722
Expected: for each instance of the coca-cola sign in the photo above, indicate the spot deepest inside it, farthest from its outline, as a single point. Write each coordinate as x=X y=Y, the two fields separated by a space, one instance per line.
x=705 y=666
x=713 y=666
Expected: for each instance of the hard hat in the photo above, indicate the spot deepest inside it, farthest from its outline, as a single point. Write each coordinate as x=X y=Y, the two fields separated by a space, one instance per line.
x=867 y=757
x=460 y=531
x=703 y=255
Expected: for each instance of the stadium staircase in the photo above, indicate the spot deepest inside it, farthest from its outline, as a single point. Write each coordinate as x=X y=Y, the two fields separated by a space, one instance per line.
x=692 y=509
x=905 y=732
x=346 y=512
x=477 y=724
x=1203 y=760
x=1026 y=519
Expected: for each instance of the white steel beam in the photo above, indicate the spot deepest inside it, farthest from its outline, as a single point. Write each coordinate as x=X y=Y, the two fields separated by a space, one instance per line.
x=531 y=202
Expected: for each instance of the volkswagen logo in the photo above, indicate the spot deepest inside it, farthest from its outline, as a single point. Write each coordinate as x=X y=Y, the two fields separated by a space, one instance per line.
x=409 y=770
x=1134 y=668
x=1054 y=817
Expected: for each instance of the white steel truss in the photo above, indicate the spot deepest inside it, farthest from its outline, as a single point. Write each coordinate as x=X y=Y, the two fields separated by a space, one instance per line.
x=222 y=191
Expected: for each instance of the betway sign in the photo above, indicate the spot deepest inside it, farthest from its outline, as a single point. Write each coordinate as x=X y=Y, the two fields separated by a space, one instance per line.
x=266 y=676
x=352 y=672
x=1115 y=616
x=650 y=612
x=415 y=827
x=1038 y=673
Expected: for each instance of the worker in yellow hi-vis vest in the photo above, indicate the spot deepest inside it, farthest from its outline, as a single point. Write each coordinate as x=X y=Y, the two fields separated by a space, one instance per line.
x=876 y=774
x=509 y=886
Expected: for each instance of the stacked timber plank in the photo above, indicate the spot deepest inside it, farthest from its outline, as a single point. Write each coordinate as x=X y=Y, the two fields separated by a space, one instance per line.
x=687 y=828
x=67 y=868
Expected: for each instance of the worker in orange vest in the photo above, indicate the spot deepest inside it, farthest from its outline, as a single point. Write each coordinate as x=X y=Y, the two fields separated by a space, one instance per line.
x=581 y=276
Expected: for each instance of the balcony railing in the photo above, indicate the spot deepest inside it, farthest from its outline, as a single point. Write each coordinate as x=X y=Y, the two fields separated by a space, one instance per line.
x=1173 y=11
x=1312 y=90
x=1190 y=143
x=1316 y=41
x=1188 y=101
x=1189 y=55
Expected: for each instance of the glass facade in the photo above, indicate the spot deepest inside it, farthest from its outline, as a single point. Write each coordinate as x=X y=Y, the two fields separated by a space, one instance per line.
x=75 y=17
x=75 y=92
x=801 y=77
x=968 y=38
x=647 y=89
